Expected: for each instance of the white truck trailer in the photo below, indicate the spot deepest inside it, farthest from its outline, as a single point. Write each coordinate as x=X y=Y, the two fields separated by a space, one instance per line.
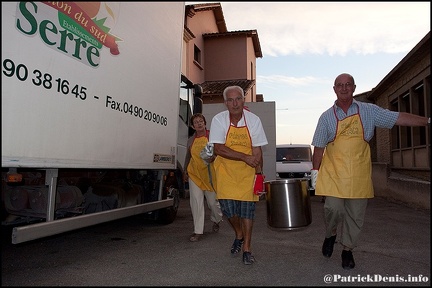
x=95 y=113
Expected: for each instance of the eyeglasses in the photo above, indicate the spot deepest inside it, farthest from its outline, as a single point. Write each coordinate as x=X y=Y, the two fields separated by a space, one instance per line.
x=231 y=100
x=342 y=85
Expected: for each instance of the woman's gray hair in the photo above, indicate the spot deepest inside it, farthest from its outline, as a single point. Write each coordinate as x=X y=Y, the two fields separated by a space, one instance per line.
x=234 y=87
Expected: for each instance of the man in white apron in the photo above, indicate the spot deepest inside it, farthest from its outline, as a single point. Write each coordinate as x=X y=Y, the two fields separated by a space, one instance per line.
x=342 y=157
x=237 y=135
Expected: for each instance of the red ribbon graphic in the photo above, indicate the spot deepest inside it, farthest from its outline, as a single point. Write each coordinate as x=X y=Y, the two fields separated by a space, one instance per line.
x=109 y=40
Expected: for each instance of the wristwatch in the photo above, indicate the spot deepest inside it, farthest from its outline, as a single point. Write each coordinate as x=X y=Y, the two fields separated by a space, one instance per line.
x=429 y=120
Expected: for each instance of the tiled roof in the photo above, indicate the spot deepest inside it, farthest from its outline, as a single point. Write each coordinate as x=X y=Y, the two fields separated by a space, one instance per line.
x=412 y=58
x=217 y=11
x=217 y=87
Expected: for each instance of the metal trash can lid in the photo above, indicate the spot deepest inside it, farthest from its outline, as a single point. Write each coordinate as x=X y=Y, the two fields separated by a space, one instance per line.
x=286 y=181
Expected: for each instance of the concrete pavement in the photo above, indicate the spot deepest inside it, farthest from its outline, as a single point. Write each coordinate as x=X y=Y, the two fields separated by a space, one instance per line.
x=394 y=250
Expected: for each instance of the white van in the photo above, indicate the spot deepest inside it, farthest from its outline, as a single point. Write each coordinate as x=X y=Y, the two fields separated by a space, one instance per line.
x=293 y=161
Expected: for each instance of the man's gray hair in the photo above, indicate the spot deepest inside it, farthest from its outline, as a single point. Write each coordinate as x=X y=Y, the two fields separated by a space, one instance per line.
x=234 y=87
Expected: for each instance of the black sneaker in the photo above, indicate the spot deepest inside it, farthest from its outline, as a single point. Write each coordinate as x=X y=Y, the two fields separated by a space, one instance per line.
x=347 y=260
x=327 y=248
x=236 y=246
x=248 y=259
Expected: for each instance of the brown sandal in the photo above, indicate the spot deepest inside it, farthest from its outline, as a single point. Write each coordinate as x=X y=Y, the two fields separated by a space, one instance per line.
x=195 y=237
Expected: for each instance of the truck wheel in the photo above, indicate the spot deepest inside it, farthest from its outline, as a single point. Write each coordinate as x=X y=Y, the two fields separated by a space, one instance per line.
x=167 y=215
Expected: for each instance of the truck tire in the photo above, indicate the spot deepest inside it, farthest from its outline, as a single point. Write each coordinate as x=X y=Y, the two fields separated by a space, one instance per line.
x=172 y=190
x=167 y=215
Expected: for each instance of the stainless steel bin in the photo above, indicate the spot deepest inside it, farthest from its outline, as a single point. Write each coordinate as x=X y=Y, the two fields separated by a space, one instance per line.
x=288 y=204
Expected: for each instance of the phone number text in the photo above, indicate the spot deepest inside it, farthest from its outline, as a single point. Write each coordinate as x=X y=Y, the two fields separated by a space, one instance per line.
x=63 y=86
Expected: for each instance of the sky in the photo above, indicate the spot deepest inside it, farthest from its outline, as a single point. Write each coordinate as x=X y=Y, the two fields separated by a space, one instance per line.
x=306 y=45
